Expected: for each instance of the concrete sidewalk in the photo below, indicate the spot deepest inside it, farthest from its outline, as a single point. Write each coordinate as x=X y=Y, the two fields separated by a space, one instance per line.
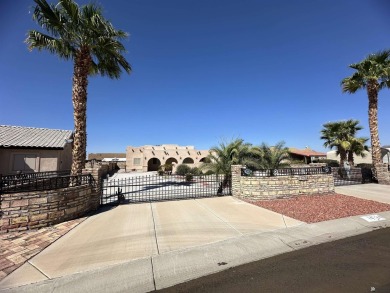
x=139 y=231
x=143 y=247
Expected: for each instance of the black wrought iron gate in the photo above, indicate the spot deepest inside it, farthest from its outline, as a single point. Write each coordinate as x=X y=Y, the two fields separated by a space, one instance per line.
x=147 y=188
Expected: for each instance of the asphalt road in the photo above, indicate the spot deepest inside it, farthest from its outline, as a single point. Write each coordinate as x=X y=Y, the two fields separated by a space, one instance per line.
x=355 y=264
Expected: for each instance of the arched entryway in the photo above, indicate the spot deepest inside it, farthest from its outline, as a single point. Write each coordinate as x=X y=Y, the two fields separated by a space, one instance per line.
x=153 y=164
x=170 y=164
x=188 y=161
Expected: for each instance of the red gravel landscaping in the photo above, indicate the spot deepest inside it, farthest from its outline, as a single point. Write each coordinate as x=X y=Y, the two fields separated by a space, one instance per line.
x=318 y=208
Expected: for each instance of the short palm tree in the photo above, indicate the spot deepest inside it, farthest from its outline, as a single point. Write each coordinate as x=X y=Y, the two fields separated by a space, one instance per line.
x=340 y=135
x=358 y=147
x=83 y=35
x=372 y=74
x=222 y=157
x=272 y=157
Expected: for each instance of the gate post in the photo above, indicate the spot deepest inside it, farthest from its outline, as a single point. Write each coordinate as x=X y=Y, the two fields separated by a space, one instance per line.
x=236 y=180
x=383 y=174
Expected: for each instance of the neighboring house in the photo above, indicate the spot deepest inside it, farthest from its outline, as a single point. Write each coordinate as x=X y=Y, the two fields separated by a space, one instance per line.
x=101 y=156
x=307 y=155
x=150 y=158
x=29 y=149
x=385 y=150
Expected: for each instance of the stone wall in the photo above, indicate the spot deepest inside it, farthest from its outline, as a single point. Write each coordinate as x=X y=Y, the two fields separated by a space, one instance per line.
x=383 y=174
x=30 y=210
x=260 y=188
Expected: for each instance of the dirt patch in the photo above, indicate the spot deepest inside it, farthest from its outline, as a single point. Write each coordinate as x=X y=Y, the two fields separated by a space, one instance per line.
x=318 y=208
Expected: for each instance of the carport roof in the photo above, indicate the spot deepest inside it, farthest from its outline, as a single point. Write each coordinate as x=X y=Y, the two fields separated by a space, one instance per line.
x=19 y=136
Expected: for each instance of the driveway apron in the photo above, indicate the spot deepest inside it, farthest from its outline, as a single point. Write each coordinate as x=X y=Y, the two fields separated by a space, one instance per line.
x=134 y=231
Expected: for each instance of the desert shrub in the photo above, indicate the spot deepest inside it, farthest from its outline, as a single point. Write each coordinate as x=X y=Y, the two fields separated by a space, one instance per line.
x=209 y=172
x=189 y=177
x=183 y=169
x=196 y=171
x=330 y=163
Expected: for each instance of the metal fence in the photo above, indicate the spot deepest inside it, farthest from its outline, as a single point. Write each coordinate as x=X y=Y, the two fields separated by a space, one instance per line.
x=42 y=183
x=285 y=171
x=47 y=174
x=149 y=188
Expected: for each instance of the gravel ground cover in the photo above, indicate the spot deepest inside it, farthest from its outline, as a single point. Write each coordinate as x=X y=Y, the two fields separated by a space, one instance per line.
x=318 y=208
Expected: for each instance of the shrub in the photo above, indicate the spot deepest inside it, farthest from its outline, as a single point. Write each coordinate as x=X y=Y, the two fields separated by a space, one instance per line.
x=209 y=172
x=330 y=163
x=189 y=177
x=196 y=171
x=183 y=169
x=160 y=172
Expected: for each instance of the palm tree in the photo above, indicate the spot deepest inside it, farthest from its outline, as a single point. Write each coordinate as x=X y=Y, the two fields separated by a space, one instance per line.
x=222 y=157
x=340 y=135
x=272 y=157
x=83 y=35
x=372 y=74
x=357 y=146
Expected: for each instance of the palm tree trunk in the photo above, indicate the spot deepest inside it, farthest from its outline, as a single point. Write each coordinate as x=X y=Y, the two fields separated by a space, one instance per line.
x=343 y=157
x=79 y=98
x=350 y=158
x=372 y=91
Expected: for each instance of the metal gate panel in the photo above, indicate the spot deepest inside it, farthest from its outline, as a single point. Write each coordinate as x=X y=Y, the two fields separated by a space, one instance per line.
x=155 y=187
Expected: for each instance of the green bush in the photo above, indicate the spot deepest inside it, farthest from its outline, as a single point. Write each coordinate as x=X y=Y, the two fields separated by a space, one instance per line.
x=160 y=172
x=364 y=166
x=196 y=171
x=189 y=177
x=183 y=169
x=330 y=163
x=209 y=172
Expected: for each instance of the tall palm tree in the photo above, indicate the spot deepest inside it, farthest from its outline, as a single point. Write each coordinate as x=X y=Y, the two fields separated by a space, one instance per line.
x=340 y=135
x=272 y=157
x=372 y=74
x=83 y=35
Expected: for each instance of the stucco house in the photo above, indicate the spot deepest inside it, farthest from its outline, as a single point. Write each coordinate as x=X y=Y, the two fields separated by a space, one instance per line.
x=29 y=149
x=306 y=155
x=385 y=151
x=151 y=157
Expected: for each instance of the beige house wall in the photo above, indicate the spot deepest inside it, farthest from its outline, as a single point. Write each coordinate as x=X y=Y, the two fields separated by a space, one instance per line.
x=37 y=160
x=331 y=155
x=141 y=159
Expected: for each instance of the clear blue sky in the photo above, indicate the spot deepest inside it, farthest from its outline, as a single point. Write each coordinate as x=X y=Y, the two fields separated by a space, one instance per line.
x=204 y=71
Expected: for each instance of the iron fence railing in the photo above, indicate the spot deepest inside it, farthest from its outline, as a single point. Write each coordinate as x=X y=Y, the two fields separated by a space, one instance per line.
x=47 y=174
x=285 y=171
x=43 y=183
x=150 y=188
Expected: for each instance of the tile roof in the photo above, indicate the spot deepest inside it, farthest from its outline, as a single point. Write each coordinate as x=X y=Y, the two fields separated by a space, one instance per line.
x=19 y=136
x=306 y=153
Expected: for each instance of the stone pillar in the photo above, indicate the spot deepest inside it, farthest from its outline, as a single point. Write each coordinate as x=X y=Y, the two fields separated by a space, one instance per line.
x=98 y=171
x=236 y=179
x=383 y=173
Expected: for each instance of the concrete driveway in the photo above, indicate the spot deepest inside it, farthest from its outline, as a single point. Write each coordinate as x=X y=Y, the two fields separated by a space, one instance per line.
x=371 y=191
x=136 y=231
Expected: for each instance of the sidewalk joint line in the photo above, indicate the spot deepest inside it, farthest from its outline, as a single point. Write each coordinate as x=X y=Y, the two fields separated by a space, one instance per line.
x=205 y=207
x=39 y=270
x=154 y=280
x=154 y=226
x=285 y=225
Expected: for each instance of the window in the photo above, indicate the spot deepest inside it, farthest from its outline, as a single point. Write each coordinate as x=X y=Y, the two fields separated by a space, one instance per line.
x=137 y=161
